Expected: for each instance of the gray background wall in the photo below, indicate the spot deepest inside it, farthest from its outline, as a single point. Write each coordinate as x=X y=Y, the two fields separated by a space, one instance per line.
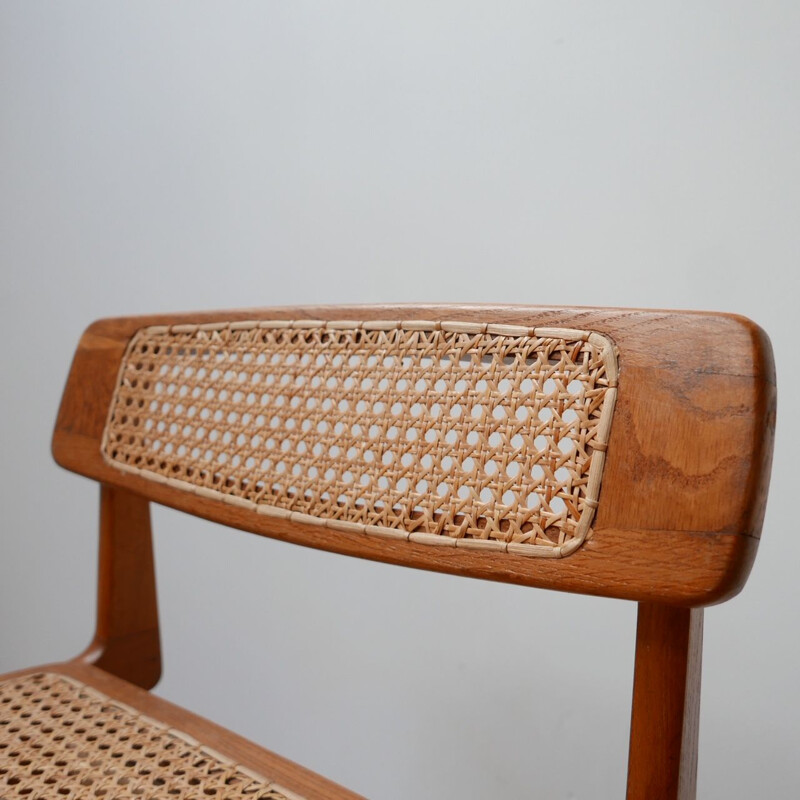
x=158 y=157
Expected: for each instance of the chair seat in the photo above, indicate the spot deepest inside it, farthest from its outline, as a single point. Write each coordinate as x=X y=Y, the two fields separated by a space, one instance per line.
x=71 y=730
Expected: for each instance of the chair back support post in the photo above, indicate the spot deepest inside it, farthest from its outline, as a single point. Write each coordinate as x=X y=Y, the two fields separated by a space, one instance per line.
x=126 y=641
x=665 y=717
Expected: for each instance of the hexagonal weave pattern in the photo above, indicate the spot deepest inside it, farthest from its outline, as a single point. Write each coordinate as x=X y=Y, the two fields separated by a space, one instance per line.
x=61 y=738
x=475 y=435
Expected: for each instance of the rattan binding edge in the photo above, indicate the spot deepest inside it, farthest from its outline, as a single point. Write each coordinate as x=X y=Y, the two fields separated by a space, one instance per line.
x=600 y=444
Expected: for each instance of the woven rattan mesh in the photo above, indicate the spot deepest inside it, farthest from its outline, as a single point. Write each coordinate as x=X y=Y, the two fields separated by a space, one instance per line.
x=60 y=738
x=446 y=433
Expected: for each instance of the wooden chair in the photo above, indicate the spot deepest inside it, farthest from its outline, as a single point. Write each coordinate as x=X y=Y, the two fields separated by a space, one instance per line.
x=608 y=452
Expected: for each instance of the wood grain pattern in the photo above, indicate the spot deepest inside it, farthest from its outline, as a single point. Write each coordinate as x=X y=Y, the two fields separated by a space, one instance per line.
x=665 y=719
x=685 y=482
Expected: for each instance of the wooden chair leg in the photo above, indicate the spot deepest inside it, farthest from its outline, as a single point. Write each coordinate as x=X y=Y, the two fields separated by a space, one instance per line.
x=126 y=641
x=662 y=763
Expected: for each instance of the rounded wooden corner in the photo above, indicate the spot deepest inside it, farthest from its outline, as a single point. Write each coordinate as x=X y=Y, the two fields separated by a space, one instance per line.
x=765 y=409
x=732 y=572
x=87 y=392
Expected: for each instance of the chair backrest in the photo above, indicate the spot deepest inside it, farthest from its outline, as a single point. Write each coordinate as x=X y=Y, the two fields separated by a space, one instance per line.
x=603 y=451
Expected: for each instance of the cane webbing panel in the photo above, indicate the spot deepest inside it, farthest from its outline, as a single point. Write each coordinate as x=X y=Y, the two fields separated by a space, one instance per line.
x=461 y=434
x=61 y=738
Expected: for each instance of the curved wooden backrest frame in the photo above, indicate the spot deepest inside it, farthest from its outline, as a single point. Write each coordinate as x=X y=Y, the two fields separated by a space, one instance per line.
x=685 y=479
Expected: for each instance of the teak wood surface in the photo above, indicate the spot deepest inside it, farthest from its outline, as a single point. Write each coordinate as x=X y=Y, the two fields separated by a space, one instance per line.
x=684 y=489
x=681 y=508
x=665 y=717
